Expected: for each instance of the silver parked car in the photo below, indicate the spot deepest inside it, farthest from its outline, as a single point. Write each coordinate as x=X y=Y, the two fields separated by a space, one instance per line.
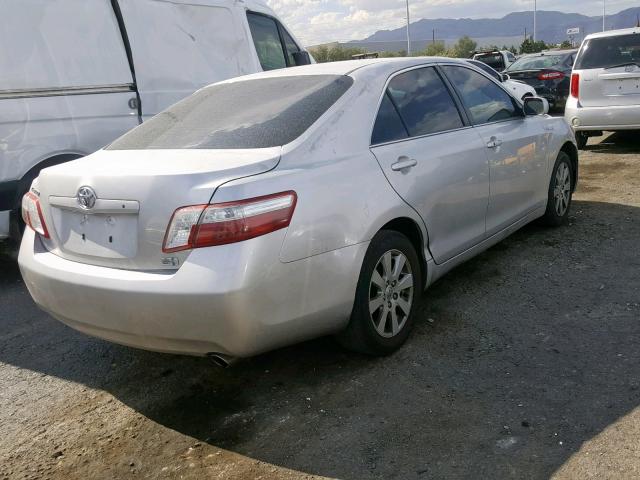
x=281 y=206
x=605 y=85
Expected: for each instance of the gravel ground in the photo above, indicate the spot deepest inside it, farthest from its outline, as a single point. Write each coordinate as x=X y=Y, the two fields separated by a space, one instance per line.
x=524 y=364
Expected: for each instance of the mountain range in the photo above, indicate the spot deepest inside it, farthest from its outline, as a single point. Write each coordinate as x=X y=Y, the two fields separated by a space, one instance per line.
x=552 y=28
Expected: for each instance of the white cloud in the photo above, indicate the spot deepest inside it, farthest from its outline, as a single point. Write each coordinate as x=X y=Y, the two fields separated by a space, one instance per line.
x=320 y=21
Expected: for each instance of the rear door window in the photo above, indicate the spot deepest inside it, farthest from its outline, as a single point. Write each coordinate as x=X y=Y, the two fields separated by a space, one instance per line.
x=267 y=41
x=424 y=102
x=260 y=113
x=485 y=100
x=609 y=52
x=389 y=126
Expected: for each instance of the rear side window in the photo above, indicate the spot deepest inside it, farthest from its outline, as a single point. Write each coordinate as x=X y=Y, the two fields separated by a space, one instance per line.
x=609 y=52
x=424 y=102
x=259 y=113
x=389 y=126
x=485 y=100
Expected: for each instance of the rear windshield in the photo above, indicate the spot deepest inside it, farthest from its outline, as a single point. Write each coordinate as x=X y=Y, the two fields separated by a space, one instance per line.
x=260 y=113
x=537 y=62
x=494 y=60
x=609 y=52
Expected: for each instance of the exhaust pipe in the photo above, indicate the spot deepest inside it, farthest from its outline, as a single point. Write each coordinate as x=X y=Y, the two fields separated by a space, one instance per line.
x=222 y=361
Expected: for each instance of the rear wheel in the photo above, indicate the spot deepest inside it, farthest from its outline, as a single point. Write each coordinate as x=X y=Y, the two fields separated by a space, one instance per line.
x=560 y=192
x=387 y=294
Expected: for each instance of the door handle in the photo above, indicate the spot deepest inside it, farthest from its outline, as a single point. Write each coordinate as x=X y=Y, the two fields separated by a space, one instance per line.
x=403 y=163
x=494 y=143
x=549 y=128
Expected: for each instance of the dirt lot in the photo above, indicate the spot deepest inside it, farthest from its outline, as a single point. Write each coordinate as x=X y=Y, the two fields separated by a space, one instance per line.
x=525 y=363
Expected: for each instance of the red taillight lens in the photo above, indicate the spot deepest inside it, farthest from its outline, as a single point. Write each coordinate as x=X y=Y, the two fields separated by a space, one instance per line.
x=222 y=223
x=550 y=75
x=575 y=85
x=32 y=214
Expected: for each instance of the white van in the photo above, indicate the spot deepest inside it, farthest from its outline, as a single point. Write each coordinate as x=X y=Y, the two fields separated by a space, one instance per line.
x=76 y=74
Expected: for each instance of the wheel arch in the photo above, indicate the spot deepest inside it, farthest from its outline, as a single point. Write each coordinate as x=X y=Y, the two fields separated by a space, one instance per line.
x=410 y=229
x=570 y=149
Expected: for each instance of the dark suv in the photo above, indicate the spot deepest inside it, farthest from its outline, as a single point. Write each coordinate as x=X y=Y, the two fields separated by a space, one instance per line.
x=548 y=72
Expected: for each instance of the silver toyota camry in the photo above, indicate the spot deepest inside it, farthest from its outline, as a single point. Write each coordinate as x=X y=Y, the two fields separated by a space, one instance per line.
x=282 y=206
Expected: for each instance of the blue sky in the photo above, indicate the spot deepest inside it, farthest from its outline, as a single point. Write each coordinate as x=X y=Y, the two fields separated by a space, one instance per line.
x=319 y=21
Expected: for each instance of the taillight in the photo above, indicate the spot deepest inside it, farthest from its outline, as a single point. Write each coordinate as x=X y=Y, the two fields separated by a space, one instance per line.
x=550 y=75
x=32 y=214
x=222 y=223
x=575 y=85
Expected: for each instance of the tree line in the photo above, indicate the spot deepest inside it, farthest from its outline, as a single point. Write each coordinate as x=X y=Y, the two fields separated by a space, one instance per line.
x=465 y=47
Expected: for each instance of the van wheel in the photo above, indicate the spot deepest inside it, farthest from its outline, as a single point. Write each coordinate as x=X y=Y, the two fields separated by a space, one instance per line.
x=581 y=139
x=560 y=192
x=387 y=296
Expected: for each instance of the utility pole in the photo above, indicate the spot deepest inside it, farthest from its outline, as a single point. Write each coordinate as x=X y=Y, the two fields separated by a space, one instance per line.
x=535 y=14
x=408 y=32
x=434 y=36
x=604 y=14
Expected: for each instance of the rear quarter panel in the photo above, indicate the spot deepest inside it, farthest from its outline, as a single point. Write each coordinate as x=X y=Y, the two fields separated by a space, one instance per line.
x=343 y=195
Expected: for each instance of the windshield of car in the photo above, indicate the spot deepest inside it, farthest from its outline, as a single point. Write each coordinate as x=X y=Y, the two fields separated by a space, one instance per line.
x=494 y=60
x=536 y=62
x=609 y=51
x=259 y=113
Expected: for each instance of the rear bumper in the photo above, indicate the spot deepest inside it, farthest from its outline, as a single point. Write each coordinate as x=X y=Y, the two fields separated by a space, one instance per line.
x=249 y=303
x=602 y=118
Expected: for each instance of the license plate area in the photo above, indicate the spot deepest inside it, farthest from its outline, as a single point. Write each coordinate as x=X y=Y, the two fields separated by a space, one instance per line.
x=107 y=235
x=626 y=86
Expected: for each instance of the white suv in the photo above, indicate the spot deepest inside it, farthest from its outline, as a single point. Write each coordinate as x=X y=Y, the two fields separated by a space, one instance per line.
x=605 y=85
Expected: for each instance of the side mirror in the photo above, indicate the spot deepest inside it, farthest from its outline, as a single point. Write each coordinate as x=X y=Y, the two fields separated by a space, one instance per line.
x=505 y=77
x=301 y=58
x=536 y=106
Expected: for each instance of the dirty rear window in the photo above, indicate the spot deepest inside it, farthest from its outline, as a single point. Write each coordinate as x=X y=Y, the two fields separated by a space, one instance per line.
x=260 y=113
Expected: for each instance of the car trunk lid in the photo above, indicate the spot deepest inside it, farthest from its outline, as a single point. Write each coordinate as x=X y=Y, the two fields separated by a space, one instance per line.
x=112 y=208
x=609 y=87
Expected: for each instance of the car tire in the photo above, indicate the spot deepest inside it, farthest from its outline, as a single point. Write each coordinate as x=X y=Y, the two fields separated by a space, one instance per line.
x=386 y=298
x=560 y=192
x=581 y=139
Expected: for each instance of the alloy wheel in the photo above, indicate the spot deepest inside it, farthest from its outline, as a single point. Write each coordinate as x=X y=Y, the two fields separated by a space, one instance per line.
x=562 y=189
x=391 y=293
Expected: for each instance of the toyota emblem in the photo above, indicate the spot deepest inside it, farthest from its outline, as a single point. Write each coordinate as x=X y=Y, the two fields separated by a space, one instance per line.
x=86 y=197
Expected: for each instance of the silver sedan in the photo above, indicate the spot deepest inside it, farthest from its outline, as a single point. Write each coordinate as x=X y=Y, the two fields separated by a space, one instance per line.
x=282 y=206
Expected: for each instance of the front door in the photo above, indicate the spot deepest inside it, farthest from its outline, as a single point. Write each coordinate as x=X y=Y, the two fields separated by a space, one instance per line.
x=435 y=162
x=515 y=146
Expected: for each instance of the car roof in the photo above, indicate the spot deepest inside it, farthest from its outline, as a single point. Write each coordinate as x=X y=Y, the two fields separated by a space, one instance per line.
x=348 y=67
x=613 y=33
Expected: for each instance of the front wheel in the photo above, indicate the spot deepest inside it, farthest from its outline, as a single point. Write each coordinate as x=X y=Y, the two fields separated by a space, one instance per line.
x=387 y=294
x=560 y=192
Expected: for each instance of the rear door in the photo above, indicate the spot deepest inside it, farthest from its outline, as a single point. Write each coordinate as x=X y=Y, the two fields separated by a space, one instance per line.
x=433 y=160
x=516 y=146
x=609 y=69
